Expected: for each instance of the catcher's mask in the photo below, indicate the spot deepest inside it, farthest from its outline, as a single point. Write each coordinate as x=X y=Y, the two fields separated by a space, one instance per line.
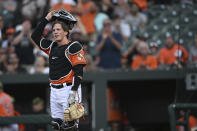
x=66 y=17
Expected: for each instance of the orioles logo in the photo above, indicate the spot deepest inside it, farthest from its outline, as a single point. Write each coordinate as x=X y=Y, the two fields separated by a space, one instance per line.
x=79 y=56
x=79 y=106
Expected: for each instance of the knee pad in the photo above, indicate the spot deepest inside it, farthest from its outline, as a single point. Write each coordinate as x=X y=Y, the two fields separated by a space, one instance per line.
x=56 y=123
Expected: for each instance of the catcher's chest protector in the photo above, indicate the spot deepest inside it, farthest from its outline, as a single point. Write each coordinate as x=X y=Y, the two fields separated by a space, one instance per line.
x=59 y=63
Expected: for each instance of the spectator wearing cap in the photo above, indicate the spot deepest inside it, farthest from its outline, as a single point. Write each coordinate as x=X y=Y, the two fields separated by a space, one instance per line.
x=8 y=42
x=6 y=108
x=37 y=108
x=144 y=61
x=172 y=54
x=109 y=44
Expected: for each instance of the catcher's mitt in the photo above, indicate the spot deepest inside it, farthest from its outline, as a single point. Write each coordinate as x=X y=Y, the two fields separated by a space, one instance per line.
x=74 y=111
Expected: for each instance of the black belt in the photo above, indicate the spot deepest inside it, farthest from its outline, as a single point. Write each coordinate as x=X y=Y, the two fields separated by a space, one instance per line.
x=59 y=86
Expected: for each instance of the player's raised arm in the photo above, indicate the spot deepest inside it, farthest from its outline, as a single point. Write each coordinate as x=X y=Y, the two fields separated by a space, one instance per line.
x=37 y=33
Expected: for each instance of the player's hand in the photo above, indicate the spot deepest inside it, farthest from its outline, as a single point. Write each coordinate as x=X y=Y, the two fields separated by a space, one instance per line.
x=71 y=98
x=50 y=15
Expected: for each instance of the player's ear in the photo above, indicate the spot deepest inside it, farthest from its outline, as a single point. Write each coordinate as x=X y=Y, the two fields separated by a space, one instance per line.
x=65 y=33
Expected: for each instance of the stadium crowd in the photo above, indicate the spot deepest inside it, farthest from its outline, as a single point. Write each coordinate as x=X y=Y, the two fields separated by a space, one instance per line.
x=104 y=28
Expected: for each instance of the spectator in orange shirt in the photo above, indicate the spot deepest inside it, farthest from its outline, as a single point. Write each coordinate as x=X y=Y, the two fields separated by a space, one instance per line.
x=61 y=5
x=143 y=61
x=6 y=108
x=86 y=10
x=173 y=54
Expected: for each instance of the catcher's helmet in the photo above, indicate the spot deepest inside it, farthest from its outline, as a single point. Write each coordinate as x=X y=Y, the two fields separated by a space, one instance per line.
x=65 y=17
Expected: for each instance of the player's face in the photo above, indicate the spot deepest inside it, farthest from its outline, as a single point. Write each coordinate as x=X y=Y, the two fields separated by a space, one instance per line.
x=58 y=32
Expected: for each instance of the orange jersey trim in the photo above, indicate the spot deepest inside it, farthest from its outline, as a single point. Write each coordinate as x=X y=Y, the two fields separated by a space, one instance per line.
x=78 y=58
x=66 y=79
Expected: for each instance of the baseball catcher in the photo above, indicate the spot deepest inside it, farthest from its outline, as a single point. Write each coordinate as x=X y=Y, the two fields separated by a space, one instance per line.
x=66 y=62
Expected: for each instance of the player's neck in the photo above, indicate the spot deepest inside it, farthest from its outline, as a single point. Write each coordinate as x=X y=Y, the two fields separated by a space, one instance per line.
x=64 y=41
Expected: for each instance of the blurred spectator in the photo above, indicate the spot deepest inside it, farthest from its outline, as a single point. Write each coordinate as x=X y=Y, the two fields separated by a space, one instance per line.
x=9 y=8
x=98 y=21
x=8 y=42
x=113 y=109
x=142 y=4
x=6 y=108
x=173 y=54
x=1 y=28
x=24 y=45
x=144 y=61
x=3 y=60
x=106 y=7
x=192 y=121
x=76 y=35
x=154 y=49
x=37 y=108
x=132 y=49
x=53 y=2
x=193 y=52
x=86 y=10
x=33 y=9
x=61 y=5
x=124 y=62
x=40 y=66
x=13 y=65
x=122 y=27
x=90 y=65
x=21 y=127
x=121 y=8
x=109 y=45
x=47 y=33
x=135 y=18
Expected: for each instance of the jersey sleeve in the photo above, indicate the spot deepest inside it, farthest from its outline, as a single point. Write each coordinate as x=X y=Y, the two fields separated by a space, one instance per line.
x=36 y=36
x=78 y=58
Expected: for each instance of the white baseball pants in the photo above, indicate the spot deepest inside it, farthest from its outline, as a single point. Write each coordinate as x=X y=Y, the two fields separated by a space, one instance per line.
x=59 y=100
